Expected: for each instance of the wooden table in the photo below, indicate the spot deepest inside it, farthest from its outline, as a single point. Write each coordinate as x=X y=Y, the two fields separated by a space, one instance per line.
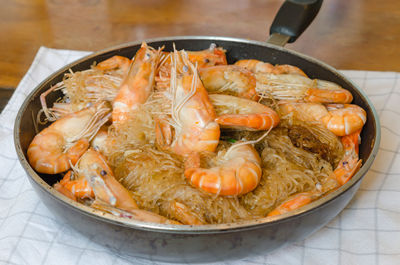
x=356 y=34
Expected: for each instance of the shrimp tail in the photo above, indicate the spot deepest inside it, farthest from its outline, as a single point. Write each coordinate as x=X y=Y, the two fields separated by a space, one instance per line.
x=64 y=191
x=78 y=188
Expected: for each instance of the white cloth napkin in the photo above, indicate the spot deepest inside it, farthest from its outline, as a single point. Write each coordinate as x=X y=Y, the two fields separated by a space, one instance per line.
x=366 y=232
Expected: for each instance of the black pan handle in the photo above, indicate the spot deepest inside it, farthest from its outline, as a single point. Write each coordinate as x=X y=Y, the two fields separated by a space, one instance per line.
x=292 y=19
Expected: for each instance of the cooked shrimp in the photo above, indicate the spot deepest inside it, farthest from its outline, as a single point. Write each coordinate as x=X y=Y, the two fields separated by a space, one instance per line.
x=350 y=162
x=61 y=144
x=115 y=62
x=137 y=85
x=192 y=112
x=259 y=66
x=300 y=88
x=238 y=172
x=240 y=113
x=110 y=195
x=229 y=79
x=341 y=119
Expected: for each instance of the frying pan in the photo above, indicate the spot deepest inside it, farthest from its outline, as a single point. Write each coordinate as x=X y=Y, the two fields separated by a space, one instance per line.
x=171 y=243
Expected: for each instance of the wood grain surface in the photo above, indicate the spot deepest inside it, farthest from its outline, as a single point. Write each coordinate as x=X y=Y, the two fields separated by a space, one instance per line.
x=356 y=34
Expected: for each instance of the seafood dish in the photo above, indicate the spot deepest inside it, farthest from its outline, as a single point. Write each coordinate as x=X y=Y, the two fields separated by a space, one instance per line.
x=185 y=138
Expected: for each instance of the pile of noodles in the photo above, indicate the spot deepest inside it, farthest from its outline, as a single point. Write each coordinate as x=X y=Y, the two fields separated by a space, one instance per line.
x=296 y=156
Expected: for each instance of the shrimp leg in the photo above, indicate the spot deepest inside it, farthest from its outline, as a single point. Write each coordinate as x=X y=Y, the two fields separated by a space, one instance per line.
x=164 y=133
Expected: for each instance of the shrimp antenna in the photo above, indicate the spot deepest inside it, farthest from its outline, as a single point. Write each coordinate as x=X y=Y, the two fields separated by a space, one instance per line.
x=249 y=142
x=173 y=87
x=193 y=87
x=97 y=120
x=48 y=113
x=177 y=106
